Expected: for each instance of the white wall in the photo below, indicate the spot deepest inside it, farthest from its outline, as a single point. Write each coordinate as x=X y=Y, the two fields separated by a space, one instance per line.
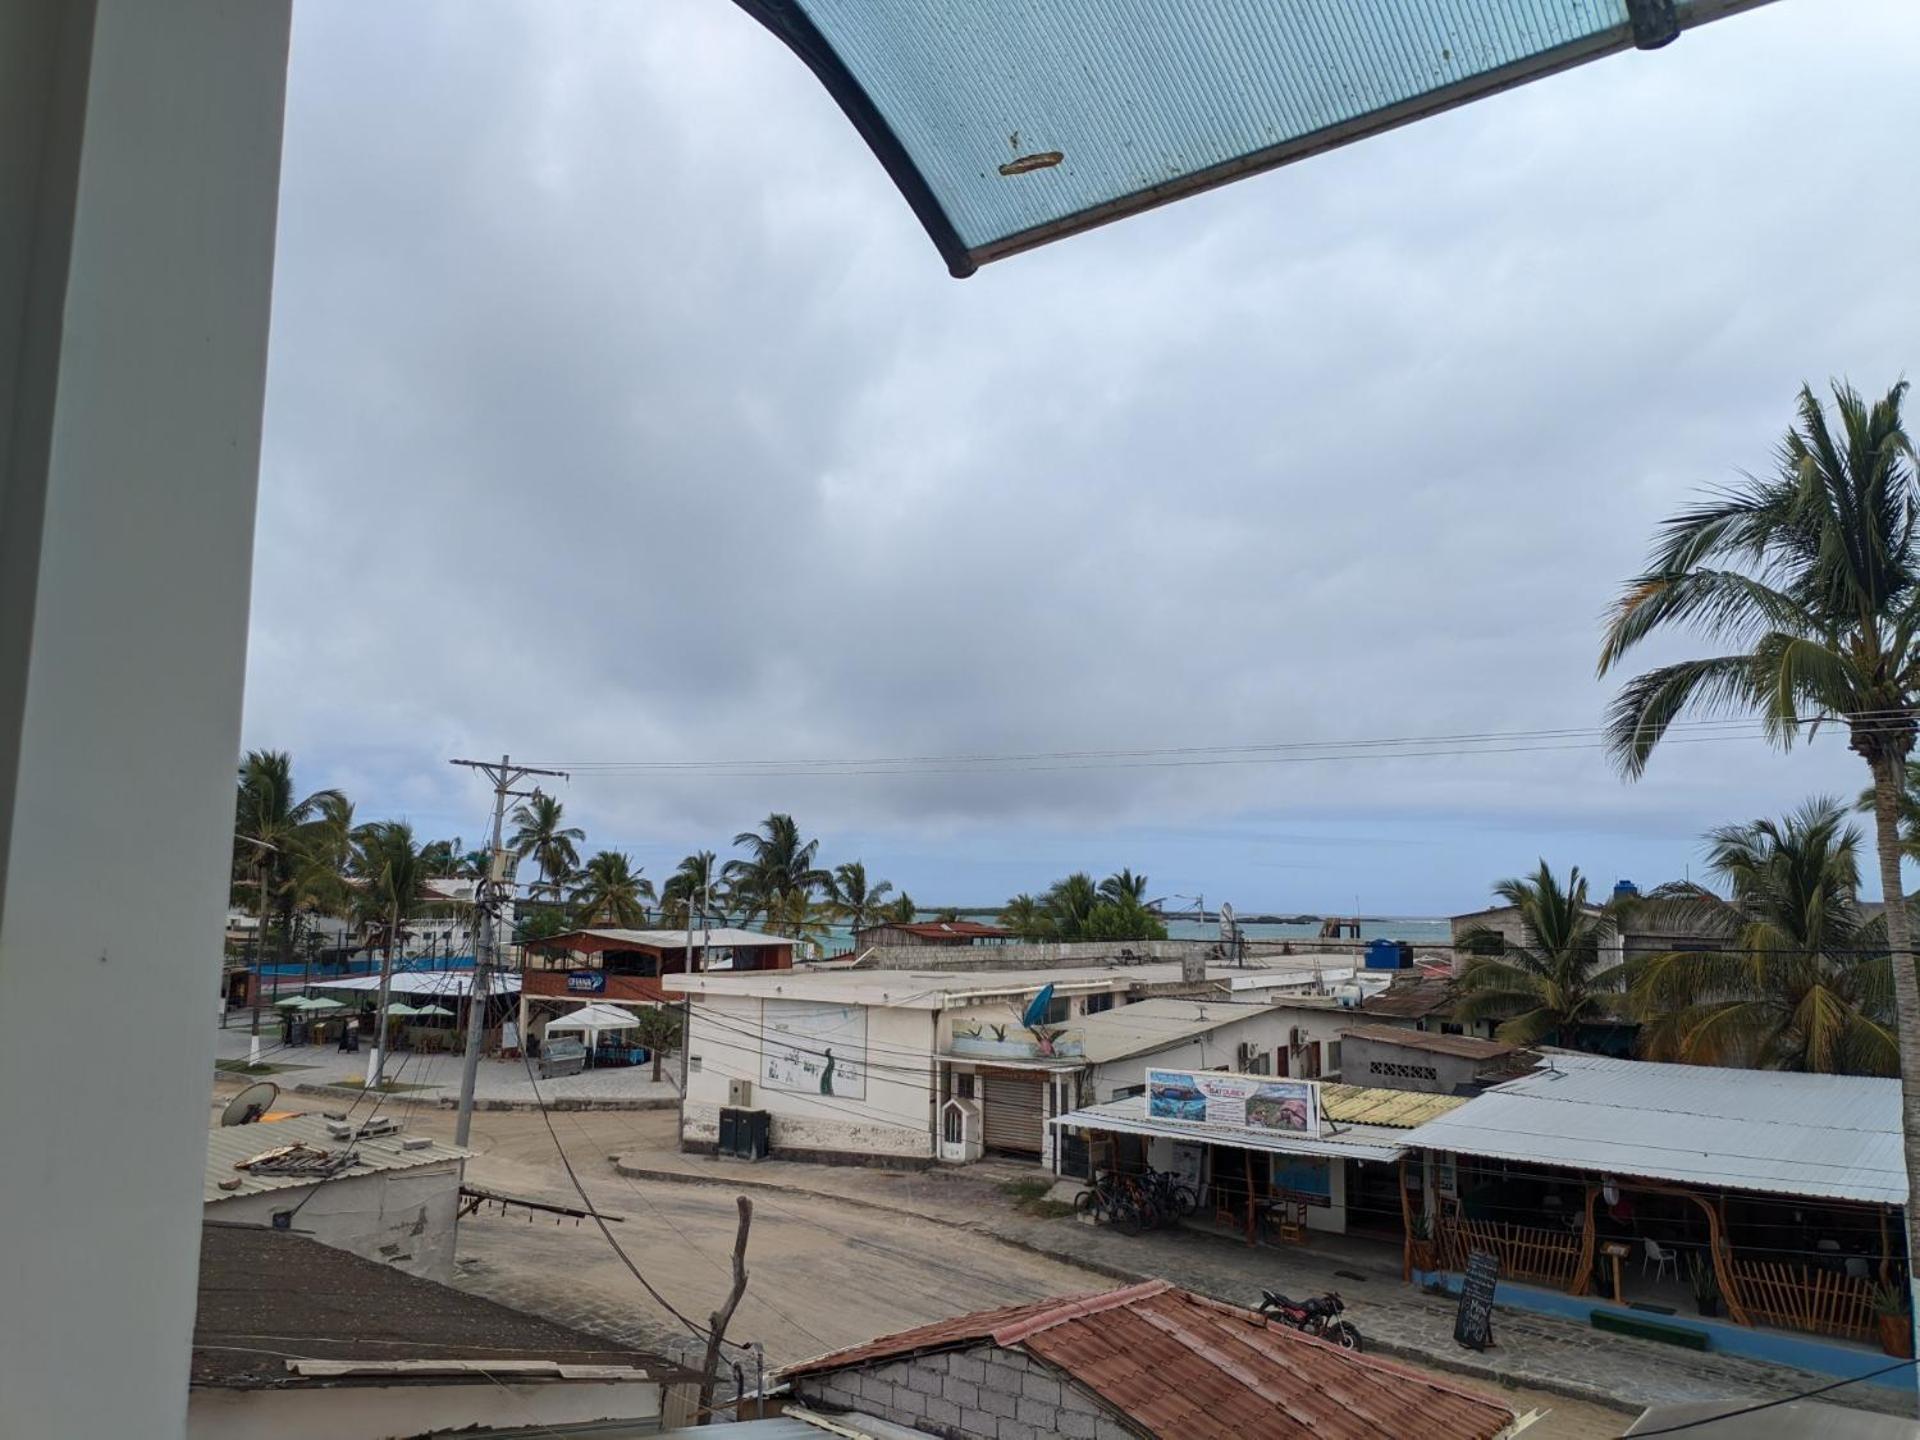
x=1267 y=1028
x=895 y=1118
x=364 y=1411
x=139 y=166
x=406 y=1219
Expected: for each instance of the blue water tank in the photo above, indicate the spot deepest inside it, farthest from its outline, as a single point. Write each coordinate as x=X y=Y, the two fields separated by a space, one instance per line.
x=1625 y=890
x=1388 y=955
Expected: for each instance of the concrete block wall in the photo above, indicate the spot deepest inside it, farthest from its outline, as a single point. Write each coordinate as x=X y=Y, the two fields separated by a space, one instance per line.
x=980 y=1393
x=1042 y=955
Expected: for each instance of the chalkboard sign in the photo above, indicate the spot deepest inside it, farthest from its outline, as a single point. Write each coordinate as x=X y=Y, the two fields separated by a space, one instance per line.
x=1473 y=1322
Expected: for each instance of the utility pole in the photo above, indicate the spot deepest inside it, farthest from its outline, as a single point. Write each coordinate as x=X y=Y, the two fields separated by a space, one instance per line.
x=486 y=902
x=717 y=1322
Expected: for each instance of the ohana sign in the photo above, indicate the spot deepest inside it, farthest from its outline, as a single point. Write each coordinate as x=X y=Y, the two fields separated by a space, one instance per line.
x=1245 y=1102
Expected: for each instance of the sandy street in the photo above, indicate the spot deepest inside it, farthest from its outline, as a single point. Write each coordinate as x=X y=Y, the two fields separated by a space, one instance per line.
x=823 y=1274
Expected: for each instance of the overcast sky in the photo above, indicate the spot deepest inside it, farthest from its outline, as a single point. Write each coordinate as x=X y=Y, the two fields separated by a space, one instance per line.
x=620 y=411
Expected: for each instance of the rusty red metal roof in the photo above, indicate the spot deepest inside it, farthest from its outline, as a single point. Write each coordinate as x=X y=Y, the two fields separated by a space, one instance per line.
x=1177 y=1364
x=1411 y=998
x=1465 y=1047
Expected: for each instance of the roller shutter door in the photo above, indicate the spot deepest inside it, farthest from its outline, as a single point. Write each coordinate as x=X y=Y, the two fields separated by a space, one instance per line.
x=1012 y=1110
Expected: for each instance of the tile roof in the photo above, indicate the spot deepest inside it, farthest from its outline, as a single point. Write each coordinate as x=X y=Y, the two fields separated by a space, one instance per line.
x=1176 y=1364
x=1466 y=1047
x=266 y=1295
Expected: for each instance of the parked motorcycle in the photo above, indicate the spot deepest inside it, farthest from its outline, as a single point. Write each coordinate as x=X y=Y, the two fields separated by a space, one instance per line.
x=1316 y=1316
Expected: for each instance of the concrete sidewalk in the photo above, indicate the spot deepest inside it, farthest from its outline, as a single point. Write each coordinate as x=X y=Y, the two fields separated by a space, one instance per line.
x=499 y=1082
x=1531 y=1350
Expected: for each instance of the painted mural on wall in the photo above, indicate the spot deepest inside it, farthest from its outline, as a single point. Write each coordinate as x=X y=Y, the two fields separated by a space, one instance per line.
x=815 y=1048
x=1246 y=1102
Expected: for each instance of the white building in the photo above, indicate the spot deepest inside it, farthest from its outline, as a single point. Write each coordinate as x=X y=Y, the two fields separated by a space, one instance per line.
x=397 y=1203
x=903 y=1066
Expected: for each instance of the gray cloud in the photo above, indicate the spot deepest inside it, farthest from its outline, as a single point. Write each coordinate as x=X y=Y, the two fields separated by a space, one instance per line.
x=619 y=410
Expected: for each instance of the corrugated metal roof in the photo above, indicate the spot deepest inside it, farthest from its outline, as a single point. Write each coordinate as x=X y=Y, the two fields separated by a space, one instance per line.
x=1007 y=125
x=1826 y=1136
x=1391 y=1109
x=1177 y=1364
x=1465 y=1047
x=229 y=1144
x=1148 y=1025
x=1348 y=1142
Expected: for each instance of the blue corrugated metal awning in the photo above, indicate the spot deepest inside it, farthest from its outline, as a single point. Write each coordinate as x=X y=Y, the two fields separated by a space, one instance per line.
x=1008 y=123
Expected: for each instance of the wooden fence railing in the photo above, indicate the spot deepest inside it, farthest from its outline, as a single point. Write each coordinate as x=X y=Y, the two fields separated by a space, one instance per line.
x=1526 y=1253
x=1800 y=1297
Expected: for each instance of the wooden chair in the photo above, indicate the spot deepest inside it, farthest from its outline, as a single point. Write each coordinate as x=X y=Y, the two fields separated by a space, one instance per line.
x=1291 y=1218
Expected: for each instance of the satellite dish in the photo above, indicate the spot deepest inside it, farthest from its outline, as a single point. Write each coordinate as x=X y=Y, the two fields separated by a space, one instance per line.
x=250 y=1104
x=1227 y=926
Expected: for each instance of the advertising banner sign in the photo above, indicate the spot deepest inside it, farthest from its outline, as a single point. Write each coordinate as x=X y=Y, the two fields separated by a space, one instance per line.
x=1245 y=1102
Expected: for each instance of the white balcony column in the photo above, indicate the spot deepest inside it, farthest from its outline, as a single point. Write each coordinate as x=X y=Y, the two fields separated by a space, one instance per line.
x=139 y=171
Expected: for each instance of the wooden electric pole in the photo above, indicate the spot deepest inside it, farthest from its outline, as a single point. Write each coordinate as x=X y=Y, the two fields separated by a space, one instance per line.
x=717 y=1323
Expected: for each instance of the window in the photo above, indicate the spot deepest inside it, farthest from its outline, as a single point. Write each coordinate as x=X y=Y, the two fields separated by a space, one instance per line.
x=954 y=1125
x=1310 y=1060
x=1099 y=1004
x=963 y=1085
x=1057 y=1010
x=1403 y=1072
x=1333 y=1057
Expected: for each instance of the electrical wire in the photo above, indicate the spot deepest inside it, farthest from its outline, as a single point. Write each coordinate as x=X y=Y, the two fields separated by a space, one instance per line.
x=1424 y=746
x=1768 y=1404
x=699 y=1332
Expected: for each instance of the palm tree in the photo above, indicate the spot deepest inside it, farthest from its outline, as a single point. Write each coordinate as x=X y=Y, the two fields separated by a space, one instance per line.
x=441 y=859
x=1804 y=982
x=687 y=889
x=854 y=898
x=612 y=892
x=1124 y=884
x=387 y=864
x=778 y=865
x=1025 y=917
x=900 y=910
x=1811 y=579
x=553 y=846
x=272 y=832
x=1070 y=905
x=795 y=913
x=1551 y=982
x=1909 y=808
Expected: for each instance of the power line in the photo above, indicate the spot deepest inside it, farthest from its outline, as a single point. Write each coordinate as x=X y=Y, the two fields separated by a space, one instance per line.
x=1769 y=1404
x=1259 y=752
x=699 y=1332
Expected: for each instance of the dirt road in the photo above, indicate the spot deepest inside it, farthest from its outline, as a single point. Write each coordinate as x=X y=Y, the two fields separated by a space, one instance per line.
x=824 y=1275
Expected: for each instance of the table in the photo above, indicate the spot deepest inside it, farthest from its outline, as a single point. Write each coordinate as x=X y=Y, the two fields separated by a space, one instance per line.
x=1616 y=1251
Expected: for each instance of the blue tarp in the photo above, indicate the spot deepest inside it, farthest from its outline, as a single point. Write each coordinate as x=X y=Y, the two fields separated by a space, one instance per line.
x=1008 y=123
